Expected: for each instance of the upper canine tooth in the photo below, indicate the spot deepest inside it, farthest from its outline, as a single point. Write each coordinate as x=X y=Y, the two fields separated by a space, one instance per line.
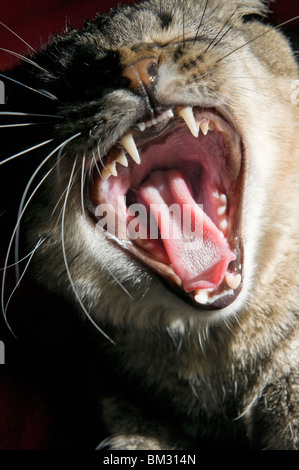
x=204 y=126
x=129 y=144
x=122 y=159
x=188 y=116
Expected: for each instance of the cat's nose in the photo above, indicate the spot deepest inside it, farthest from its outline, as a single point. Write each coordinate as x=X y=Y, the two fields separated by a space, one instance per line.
x=141 y=75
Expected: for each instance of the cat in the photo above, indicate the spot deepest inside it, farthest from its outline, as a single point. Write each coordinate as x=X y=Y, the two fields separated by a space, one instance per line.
x=162 y=204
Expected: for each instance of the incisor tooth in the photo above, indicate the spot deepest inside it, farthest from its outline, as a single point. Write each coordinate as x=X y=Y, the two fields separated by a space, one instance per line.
x=111 y=168
x=122 y=159
x=188 y=116
x=129 y=144
x=233 y=280
x=204 y=126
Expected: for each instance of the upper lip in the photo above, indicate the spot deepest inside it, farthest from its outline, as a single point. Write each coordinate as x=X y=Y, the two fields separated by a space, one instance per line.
x=145 y=133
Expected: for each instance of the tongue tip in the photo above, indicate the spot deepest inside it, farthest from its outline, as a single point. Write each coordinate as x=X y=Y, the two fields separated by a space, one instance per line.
x=211 y=278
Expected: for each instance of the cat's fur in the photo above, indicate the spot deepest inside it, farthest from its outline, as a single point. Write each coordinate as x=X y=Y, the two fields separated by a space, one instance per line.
x=185 y=377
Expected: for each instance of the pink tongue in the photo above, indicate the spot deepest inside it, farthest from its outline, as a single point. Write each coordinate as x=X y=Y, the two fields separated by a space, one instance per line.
x=197 y=250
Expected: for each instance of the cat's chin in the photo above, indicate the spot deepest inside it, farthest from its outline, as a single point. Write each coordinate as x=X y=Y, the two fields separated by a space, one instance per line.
x=170 y=195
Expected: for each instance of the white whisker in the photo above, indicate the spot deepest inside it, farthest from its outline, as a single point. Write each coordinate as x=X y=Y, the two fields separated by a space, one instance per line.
x=82 y=186
x=21 y=211
x=26 y=151
x=13 y=113
x=23 y=274
x=25 y=59
x=66 y=262
x=19 y=37
x=20 y=215
x=51 y=97
x=24 y=124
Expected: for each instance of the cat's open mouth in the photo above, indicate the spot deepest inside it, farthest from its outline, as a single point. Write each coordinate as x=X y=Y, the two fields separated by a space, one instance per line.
x=170 y=193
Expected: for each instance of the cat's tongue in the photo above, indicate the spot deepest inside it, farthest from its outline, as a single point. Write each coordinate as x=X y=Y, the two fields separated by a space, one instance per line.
x=197 y=250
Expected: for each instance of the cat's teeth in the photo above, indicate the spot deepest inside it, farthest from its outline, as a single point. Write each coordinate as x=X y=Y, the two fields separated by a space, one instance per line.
x=201 y=296
x=141 y=126
x=204 y=127
x=233 y=280
x=105 y=174
x=128 y=143
x=111 y=168
x=122 y=159
x=222 y=208
x=223 y=225
x=188 y=116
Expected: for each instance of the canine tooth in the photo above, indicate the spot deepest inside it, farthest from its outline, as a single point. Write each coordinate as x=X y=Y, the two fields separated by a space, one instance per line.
x=233 y=280
x=122 y=159
x=204 y=126
x=188 y=116
x=170 y=113
x=201 y=296
x=129 y=144
x=111 y=168
x=141 y=126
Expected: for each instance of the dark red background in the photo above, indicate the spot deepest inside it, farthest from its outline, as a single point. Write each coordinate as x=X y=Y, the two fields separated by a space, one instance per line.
x=25 y=418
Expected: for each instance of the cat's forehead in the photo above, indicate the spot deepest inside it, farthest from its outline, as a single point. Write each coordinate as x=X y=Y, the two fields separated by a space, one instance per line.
x=157 y=21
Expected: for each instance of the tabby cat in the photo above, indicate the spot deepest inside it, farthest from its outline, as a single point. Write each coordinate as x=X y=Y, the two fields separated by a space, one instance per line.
x=163 y=205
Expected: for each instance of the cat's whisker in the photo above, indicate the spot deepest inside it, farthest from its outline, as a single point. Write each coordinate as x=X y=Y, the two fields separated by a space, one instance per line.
x=26 y=59
x=34 y=90
x=213 y=44
x=9 y=250
x=68 y=189
x=201 y=21
x=24 y=124
x=82 y=185
x=255 y=38
x=40 y=241
x=23 y=206
x=12 y=265
x=97 y=166
x=13 y=113
x=34 y=147
x=19 y=37
x=259 y=93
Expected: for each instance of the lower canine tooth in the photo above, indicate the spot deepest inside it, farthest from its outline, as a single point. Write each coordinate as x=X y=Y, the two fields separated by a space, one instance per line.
x=188 y=116
x=129 y=144
x=233 y=280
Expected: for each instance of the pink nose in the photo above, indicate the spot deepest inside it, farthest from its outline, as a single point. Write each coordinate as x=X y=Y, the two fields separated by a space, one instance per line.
x=142 y=74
